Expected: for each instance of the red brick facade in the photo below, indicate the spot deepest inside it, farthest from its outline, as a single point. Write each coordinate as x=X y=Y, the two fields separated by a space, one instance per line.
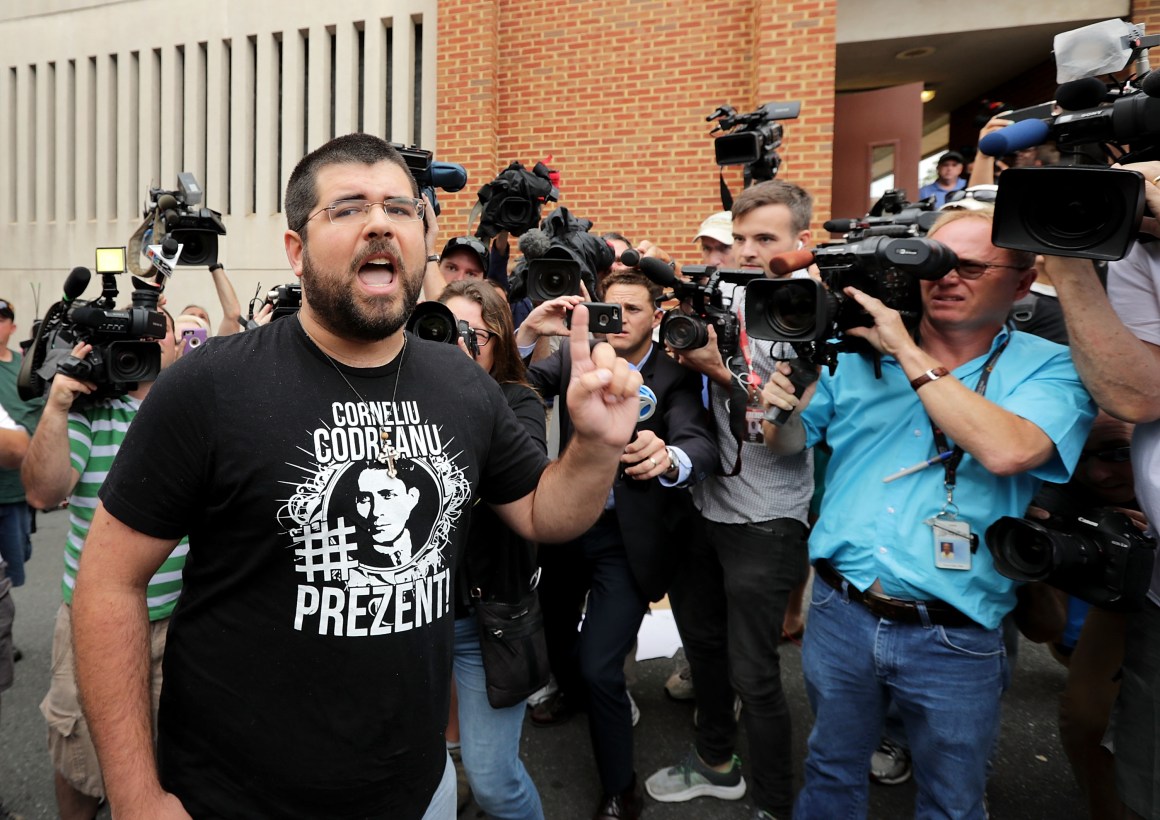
x=617 y=91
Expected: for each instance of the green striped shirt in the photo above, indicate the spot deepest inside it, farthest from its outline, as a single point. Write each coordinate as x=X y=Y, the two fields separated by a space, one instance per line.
x=95 y=434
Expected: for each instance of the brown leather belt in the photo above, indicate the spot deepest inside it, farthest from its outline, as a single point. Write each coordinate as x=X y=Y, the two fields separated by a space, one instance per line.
x=894 y=609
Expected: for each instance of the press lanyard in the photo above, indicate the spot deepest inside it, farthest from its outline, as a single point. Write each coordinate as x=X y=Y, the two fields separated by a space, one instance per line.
x=951 y=463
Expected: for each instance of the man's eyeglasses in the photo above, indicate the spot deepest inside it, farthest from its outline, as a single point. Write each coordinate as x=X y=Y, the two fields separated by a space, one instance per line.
x=1113 y=455
x=482 y=336
x=358 y=211
x=970 y=269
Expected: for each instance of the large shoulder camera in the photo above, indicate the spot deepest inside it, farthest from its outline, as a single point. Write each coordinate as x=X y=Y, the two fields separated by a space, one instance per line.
x=1097 y=555
x=120 y=358
x=559 y=256
x=752 y=139
x=1091 y=212
x=884 y=255
x=512 y=201
x=430 y=173
x=176 y=215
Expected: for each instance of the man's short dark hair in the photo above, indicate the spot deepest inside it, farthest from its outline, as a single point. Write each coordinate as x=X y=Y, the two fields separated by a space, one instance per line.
x=631 y=277
x=777 y=192
x=301 y=190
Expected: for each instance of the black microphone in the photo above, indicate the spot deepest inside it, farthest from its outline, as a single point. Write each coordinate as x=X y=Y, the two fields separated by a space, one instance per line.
x=841 y=225
x=630 y=258
x=1078 y=95
x=658 y=271
x=1025 y=134
x=534 y=243
x=1150 y=84
x=77 y=281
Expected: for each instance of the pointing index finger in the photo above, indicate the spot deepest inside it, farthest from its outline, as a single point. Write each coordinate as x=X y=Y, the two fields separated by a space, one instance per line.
x=578 y=334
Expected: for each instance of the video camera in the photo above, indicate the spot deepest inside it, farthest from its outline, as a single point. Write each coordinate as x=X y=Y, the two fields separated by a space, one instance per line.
x=885 y=255
x=559 y=256
x=1090 y=212
x=752 y=139
x=121 y=357
x=1097 y=555
x=176 y=215
x=435 y=322
x=431 y=174
x=512 y=201
x=708 y=304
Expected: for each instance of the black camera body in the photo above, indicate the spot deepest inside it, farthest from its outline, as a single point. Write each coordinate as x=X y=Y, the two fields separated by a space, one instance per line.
x=178 y=215
x=565 y=255
x=285 y=299
x=434 y=322
x=752 y=139
x=557 y=273
x=708 y=305
x=887 y=268
x=1097 y=555
x=124 y=348
x=430 y=173
x=512 y=201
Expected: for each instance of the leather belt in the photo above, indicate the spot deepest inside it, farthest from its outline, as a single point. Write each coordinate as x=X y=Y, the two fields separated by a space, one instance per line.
x=894 y=609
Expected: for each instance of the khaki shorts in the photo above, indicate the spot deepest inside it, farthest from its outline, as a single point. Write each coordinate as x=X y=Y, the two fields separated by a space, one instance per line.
x=69 y=742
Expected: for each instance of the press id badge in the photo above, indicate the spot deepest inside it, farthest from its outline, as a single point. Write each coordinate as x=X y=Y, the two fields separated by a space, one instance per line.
x=952 y=542
x=754 y=413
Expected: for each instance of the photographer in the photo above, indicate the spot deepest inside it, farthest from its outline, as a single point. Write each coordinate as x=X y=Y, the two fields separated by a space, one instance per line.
x=68 y=459
x=232 y=321
x=1116 y=345
x=629 y=557
x=895 y=551
x=730 y=599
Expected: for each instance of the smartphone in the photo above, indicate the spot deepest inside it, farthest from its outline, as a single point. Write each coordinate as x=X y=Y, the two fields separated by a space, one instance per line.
x=603 y=317
x=192 y=339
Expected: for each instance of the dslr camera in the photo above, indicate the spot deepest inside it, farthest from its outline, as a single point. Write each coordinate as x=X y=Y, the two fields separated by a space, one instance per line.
x=1097 y=554
x=122 y=354
x=435 y=322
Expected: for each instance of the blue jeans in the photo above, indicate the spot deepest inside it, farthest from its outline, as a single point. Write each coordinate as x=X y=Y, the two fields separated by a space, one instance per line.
x=945 y=683
x=15 y=543
x=490 y=738
x=443 y=802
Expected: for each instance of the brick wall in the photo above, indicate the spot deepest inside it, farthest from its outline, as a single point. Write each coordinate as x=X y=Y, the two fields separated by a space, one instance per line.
x=617 y=91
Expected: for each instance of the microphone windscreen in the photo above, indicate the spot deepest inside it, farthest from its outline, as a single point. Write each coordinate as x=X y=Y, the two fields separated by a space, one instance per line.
x=1025 y=134
x=77 y=281
x=841 y=225
x=658 y=271
x=534 y=243
x=1080 y=94
x=1150 y=84
x=630 y=258
x=786 y=263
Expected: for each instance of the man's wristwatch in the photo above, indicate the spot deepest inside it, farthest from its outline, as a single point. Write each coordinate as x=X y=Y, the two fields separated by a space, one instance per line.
x=433 y=257
x=673 y=467
x=931 y=375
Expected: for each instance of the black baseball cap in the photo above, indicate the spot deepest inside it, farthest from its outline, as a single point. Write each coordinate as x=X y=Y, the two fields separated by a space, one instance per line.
x=467 y=243
x=6 y=310
x=952 y=156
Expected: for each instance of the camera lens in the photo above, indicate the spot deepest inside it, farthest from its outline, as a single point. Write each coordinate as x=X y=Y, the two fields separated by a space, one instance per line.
x=133 y=361
x=556 y=282
x=434 y=328
x=1068 y=216
x=683 y=332
x=792 y=311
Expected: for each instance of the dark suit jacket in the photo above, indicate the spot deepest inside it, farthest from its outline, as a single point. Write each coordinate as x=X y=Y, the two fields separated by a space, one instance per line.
x=654 y=519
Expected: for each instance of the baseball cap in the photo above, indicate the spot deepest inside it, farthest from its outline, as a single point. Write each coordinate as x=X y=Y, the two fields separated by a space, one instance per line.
x=952 y=156
x=6 y=310
x=719 y=226
x=468 y=243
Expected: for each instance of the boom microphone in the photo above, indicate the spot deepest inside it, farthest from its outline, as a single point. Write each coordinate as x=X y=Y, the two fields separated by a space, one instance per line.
x=534 y=243
x=1025 y=134
x=657 y=270
x=1079 y=95
x=786 y=263
x=77 y=281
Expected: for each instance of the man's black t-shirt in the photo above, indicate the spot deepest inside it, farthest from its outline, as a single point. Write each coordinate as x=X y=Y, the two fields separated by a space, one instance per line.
x=307 y=666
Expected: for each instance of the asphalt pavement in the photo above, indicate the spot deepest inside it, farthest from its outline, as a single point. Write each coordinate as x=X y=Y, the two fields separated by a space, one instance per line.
x=1030 y=779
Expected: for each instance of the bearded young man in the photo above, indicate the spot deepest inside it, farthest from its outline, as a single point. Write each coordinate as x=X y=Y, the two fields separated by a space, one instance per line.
x=294 y=689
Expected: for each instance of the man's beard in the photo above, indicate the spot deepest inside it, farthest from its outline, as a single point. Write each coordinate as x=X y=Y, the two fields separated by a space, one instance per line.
x=334 y=302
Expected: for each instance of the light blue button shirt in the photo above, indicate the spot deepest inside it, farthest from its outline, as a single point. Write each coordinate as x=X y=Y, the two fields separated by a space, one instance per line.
x=873 y=530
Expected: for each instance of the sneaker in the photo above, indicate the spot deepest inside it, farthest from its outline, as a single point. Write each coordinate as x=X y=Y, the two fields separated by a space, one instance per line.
x=890 y=764
x=635 y=709
x=692 y=778
x=679 y=686
x=552 y=712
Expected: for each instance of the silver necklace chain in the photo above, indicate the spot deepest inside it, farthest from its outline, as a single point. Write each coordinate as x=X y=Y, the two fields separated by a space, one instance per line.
x=387 y=454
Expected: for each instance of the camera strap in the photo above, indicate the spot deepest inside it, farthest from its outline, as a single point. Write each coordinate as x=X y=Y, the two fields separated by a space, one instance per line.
x=942 y=445
x=742 y=383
